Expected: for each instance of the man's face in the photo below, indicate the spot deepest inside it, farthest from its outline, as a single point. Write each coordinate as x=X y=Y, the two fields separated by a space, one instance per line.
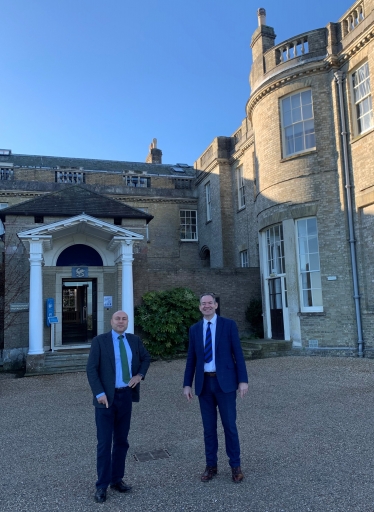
x=119 y=322
x=208 y=306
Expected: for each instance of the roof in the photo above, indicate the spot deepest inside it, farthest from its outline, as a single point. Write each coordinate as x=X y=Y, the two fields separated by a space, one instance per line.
x=87 y=164
x=74 y=200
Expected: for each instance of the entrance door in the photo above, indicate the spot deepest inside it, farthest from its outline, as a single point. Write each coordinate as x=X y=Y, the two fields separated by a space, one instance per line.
x=276 y=308
x=79 y=311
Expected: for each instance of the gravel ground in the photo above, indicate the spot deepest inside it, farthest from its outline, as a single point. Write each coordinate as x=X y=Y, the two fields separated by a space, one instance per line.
x=306 y=430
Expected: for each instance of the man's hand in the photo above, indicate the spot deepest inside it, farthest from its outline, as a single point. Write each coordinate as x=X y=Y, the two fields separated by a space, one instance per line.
x=135 y=380
x=243 y=389
x=103 y=400
x=187 y=391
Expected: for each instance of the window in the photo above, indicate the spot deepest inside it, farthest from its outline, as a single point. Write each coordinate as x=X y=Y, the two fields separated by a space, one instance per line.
x=310 y=274
x=241 y=188
x=275 y=250
x=298 y=123
x=136 y=181
x=188 y=219
x=39 y=219
x=244 y=262
x=70 y=177
x=208 y=203
x=3 y=205
x=362 y=98
x=6 y=173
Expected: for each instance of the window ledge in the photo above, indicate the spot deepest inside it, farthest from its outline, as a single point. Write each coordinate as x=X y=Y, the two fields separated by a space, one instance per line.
x=298 y=155
x=356 y=138
x=184 y=241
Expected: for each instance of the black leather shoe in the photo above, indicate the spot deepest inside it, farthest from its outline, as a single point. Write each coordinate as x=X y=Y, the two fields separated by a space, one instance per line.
x=100 y=495
x=121 y=486
x=209 y=473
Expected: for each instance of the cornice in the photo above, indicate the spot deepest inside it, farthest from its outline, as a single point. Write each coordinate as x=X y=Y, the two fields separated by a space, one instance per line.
x=203 y=174
x=357 y=46
x=240 y=152
x=323 y=66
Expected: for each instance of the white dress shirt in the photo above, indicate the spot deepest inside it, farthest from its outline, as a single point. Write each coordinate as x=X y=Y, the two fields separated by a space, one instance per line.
x=211 y=367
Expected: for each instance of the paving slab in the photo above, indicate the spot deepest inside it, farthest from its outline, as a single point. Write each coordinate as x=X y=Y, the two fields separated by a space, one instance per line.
x=306 y=430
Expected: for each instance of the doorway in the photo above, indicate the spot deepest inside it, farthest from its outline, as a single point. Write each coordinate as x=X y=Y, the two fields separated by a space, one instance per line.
x=79 y=311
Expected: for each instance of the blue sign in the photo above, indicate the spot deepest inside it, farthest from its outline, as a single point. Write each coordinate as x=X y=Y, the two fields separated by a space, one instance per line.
x=79 y=271
x=53 y=320
x=50 y=310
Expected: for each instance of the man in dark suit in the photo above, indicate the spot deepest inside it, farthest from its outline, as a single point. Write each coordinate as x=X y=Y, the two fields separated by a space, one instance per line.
x=116 y=364
x=215 y=358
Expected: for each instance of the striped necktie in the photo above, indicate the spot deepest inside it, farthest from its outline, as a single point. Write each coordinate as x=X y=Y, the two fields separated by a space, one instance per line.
x=124 y=360
x=208 y=350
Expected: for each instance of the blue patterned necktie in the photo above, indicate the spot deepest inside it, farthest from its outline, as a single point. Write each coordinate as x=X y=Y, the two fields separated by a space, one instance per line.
x=208 y=350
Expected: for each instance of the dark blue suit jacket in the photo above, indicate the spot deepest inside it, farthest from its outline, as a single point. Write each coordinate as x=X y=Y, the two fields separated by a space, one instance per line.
x=230 y=364
x=101 y=367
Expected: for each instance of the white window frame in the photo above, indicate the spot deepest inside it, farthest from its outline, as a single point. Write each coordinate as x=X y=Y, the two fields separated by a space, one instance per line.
x=298 y=120
x=244 y=260
x=208 y=200
x=306 y=275
x=241 y=188
x=361 y=95
x=188 y=225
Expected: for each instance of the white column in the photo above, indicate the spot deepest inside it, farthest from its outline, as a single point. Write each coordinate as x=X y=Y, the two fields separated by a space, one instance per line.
x=126 y=257
x=36 y=298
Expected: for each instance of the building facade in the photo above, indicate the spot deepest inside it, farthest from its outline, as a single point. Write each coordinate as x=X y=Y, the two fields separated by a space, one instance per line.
x=85 y=238
x=283 y=209
x=300 y=173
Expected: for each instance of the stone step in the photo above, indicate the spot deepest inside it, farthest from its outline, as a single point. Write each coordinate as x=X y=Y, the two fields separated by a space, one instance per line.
x=59 y=362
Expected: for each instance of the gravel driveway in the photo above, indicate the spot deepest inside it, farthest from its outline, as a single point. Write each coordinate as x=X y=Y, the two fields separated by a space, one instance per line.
x=306 y=430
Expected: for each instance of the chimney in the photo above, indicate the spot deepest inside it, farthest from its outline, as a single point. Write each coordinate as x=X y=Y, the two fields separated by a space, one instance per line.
x=155 y=155
x=261 y=16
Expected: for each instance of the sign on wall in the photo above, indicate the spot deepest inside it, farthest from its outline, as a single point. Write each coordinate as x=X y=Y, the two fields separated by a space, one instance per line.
x=108 y=302
x=79 y=271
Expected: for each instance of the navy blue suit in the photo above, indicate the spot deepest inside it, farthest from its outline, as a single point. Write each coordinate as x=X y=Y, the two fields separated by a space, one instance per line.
x=219 y=391
x=113 y=423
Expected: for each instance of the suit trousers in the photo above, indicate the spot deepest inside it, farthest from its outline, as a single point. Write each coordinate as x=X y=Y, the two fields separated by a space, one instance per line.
x=210 y=398
x=113 y=425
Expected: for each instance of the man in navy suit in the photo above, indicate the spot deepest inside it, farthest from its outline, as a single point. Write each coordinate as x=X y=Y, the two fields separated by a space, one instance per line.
x=215 y=358
x=116 y=364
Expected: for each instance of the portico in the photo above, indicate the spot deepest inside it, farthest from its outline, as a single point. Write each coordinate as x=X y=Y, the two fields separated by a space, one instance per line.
x=44 y=244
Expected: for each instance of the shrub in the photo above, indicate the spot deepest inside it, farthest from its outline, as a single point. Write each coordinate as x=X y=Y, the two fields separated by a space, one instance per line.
x=253 y=315
x=165 y=318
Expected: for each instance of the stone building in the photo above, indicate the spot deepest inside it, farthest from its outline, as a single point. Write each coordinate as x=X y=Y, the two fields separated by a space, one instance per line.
x=293 y=187
x=85 y=238
x=284 y=206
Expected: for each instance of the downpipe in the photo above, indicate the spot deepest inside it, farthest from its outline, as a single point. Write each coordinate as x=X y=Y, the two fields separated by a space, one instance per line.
x=339 y=77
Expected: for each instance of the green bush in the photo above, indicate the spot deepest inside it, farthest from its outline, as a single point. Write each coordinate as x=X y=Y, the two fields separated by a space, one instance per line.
x=165 y=318
x=253 y=315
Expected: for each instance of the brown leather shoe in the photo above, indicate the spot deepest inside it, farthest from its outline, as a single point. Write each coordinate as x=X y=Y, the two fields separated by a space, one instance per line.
x=237 y=474
x=209 y=473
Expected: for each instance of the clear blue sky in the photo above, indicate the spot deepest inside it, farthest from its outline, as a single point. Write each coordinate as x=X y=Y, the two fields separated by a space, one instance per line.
x=100 y=79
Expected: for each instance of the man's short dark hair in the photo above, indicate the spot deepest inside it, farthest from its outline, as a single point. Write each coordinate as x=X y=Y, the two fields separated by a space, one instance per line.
x=208 y=293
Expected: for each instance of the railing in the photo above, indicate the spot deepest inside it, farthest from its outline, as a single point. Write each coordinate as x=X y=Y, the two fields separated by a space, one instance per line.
x=206 y=156
x=136 y=181
x=70 y=177
x=237 y=136
x=181 y=183
x=291 y=49
x=353 y=19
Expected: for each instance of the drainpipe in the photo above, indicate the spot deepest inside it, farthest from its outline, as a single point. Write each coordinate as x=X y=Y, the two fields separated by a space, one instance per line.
x=339 y=77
